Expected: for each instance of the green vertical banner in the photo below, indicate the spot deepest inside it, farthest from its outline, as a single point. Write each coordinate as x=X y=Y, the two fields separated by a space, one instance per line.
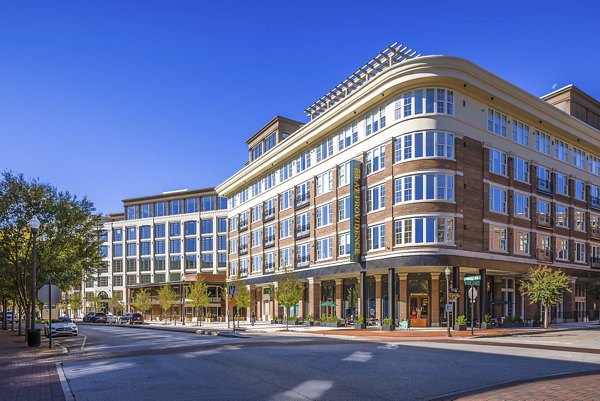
x=355 y=214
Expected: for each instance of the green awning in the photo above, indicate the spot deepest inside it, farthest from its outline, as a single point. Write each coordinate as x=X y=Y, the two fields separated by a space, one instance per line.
x=327 y=303
x=499 y=302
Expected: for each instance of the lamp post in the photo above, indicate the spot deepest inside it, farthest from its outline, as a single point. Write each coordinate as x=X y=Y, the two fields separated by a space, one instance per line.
x=182 y=303
x=34 y=225
x=447 y=272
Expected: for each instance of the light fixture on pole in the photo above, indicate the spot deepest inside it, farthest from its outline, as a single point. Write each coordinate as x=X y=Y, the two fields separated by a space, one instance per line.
x=447 y=272
x=33 y=335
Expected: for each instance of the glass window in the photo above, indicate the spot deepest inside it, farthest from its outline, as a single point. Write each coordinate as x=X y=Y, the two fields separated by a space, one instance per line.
x=497 y=122
x=344 y=208
x=117 y=234
x=344 y=174
x=159 y=230
x=190 y=227
x=562 y=216
x=159 y=247
x=324 y=149
x=521 y=206
x=285 y=201
x=428 y=144
x=221 y=225
x=521 y=169
x=131 y=249
x=348 y=135
x=175 y=207
x=376 y=237
x=160 y=209
x=131 y=212
x=145 y=248
x=376 y=198
x=174 y=229
x=497 y=200
x=285 y=228
x=131 y=233
x=207 y=244
x=146 y=211
x=324 y=183
x=520 y=133
x=191 y=205
x=497 y=162
x=376 y=159
x=344 y=244
x=222 y=203
x=498 y=239
x=145 y=232
x=579 y=189
x=324 y=215
x=207 y=203
x=270 y=141
x=542 y=142
x=117 y=250
x=324 y=248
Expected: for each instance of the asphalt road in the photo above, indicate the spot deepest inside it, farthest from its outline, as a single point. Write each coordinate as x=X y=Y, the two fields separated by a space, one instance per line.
x=120 y=363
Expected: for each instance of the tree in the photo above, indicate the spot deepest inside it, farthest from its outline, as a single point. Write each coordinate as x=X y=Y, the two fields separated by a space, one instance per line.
x=166 y=298
x=75 y=302
x=289 y=292
x=68 y=242
x=93 y=301
x=142 y=301
x=116 y=305
x=544 y=285
x=198 y=295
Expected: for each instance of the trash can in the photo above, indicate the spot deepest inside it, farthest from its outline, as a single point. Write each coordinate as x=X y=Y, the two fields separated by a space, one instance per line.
x=34 y=338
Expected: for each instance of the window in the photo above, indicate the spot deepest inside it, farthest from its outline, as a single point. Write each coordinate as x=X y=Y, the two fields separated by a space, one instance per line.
x=324 y=183
x=376 y=159
x=562 y=249
x=190 y=262
x=497 y=200
x=190 y=245
x=207 y=203
x=302 y=162
x=595 y=196
x=324 y=149
x=428 y=100
x=344 y=208
x=117 y=250
x=521 y=206
x=233 y=246
x=579 y=252
x=244 y=267
x=221 y=225
x=579 y=189
x=104 y=251
x=145 y=265
x=521 y=245
x=520 y=133
x=131 y=233
x=594 y=165
x=543 y=180
x=257 y=213
x=521 y=169
x=303 y=224
x=496 y=123
x=131 y=249
x=233 y=223
x=257 y=188
x=578 y=158
x=117 y=234
x=269 y=235
x=376 y=237
x=145 y=232
x=159 y=264
x=175 y=264
x=257 y=151
x=269 y=208
x=324 y=248
x=348 y=136
x=375 y=120
x=542 y=142
x=561 y=151
x=285 y=228
x=207 y=244
x=419 y=145
x=343 y=174
x=285 y=172
x=244 y=220
x=285 y=258
x=269 y=262
x=174 y=246
x=497 y=162
x=424 y=230
x=257 y=264
x=191 y=205
x=117 y=265
x=562 y=216
x=221 y=259
x=233 y=268
x=285 y=201
x=256 y=238
x=118 y=281
x=344 y=244
x=160 y=209
x=222 y=203
x=543 y=212
x=243 y=244
x=175 y=207
x=303 y=194
x=303 y=255
x=103 y=235
x=498 y=239
x=159 y=247
x=270 y=141
x=324 y=215
x=376 y=198
x=132 y=212
x=159 y=230
x=190 y=227
x=562 y=184
x=579 y=219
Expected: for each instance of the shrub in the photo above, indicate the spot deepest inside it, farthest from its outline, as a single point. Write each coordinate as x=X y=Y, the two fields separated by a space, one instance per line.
x=360 y=319
x=487 y=318
x=461 y=320
x=388 y=321
x=310 y=318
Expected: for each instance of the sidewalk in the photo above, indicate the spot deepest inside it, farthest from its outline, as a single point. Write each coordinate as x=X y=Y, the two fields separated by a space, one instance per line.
x=27 y=373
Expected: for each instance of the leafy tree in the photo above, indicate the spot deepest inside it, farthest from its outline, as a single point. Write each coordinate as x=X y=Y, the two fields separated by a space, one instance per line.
x=198 y=295
x=75 y=302
x=544 y=285
x=116 y=305
x=93 y=301
x=142 y=301
x=289 y=292
x=166 y=298
x=67 y=241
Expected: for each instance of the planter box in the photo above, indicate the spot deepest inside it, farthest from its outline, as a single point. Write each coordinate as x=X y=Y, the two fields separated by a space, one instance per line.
x=307 y=324
x=360 y=326
x=388 y=328
x=331 y=324
x=508 y=325
x=536 y=324
x=462 y=327
x=485 y=326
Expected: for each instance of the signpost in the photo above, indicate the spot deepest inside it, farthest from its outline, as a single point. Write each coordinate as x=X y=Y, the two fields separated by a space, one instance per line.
x=232 y=290
x=45 y=295
x=473 y=281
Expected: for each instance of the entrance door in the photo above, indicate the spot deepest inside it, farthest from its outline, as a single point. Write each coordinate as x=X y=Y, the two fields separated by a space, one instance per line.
x=419 y=310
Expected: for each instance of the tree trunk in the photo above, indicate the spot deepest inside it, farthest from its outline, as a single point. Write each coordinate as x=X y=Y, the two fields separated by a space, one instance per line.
x=546 y=316
x=20 y=322
x=287 y=321
x=12 y=321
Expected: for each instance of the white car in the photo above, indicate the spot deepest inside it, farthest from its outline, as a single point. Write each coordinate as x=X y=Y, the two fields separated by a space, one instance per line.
x=63 y=326
x=111 y=319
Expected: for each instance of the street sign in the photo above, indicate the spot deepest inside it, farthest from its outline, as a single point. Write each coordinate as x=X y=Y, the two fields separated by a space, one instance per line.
x=47 y=292
x=472 y=293
x=469 y=279
x=232 y=290
x=449 y=308
x=233 y=302
x=454 y=295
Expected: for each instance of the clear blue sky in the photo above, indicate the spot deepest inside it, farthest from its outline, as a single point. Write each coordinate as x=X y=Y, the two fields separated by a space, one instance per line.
x=118 y=99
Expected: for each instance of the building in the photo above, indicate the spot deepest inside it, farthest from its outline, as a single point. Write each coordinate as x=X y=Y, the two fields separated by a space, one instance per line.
x=412 y=164
x=163 y=239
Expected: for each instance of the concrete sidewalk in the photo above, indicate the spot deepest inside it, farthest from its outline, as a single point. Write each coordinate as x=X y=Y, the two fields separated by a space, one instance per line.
x=27 y=373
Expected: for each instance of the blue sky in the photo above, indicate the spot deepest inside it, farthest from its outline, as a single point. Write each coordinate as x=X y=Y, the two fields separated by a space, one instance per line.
x=118 y=99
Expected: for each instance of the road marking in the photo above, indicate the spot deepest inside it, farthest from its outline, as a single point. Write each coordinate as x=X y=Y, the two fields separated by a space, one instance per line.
x=64 y=384
x=83 y=343
x=388 y=346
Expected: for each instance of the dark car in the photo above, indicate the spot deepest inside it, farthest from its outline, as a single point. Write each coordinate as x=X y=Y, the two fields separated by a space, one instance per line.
x=95 y=317
x=131 y=318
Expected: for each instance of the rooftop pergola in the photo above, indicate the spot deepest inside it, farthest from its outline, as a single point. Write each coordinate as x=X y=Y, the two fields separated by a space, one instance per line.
x=393 y=54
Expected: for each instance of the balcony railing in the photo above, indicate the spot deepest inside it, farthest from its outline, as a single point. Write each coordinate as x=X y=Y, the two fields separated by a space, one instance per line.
x=303 y=261
x=544 y=186
x=269 y=241
x=243 y=249
x=544 y=254
x=269 y=267
x=243 y=225
x=302 y=201
x=595 y=262
x=269 y=214
x=544 y=219
x=303 y=231
x=595 y=202
x=595 y=232
x=214 y=300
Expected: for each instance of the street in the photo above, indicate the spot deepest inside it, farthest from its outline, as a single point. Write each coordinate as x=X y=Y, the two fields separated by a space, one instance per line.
x=136 y=364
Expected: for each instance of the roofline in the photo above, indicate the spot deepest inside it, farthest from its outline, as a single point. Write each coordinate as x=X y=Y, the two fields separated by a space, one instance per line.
x=265 y=126
x=172 y=194
x=574 y=89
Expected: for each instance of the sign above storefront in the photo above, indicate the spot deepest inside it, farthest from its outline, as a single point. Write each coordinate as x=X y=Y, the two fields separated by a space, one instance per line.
x=355 y=214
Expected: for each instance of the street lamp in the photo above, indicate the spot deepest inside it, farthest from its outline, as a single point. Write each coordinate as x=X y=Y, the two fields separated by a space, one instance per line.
x=34 y=225
x=447 y=272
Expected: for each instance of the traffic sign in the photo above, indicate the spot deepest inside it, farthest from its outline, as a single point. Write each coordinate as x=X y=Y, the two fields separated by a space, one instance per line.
x=232 y=290
x=449 y=308
x=454 y=295
x=472 y=278
x=472 y=293
x=233 y=302
x=49 y=292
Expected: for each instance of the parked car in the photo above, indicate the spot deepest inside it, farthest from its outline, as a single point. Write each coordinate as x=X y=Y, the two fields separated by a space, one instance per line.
x=131 y=318
x=63 y=326
x=111 y=319
x=95 y=317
